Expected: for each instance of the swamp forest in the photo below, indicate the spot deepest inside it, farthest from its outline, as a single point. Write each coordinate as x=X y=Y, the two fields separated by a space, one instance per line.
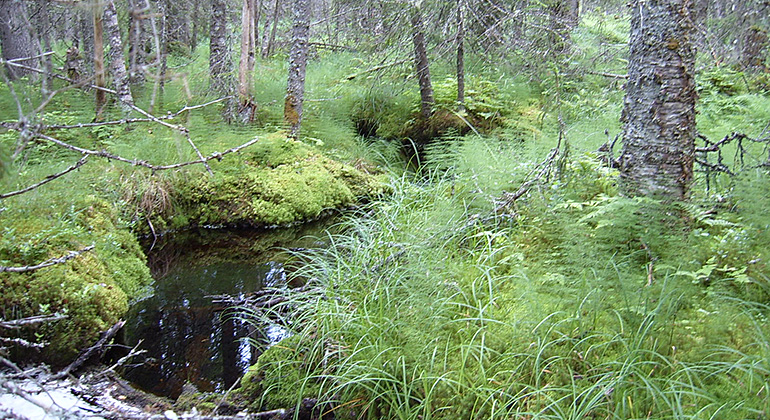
x=387 y=209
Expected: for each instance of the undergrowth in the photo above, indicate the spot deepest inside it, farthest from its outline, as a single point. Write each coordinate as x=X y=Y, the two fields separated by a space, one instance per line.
x=581 y=304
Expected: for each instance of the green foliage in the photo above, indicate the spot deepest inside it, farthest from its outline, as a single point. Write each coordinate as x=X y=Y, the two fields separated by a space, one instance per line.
x=416 y=318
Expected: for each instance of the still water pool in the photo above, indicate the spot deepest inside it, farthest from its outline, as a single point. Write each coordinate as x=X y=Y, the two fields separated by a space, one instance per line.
x=189 y=339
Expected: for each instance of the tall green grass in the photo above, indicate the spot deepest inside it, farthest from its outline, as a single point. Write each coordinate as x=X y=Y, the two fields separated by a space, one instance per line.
x=425 y=308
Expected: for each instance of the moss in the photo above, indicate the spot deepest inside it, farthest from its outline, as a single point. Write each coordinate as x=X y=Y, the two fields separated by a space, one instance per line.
x=278 y=379
x=280 y=182
x=92 y=290
x=275 y=182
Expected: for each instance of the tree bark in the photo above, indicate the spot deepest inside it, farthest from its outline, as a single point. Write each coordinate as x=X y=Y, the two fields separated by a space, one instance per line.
x=295 y=91
x=16 y=37
x=659 y=111
x=247 y=107
x=269 y=46
x=99 y=76
x=421 y=65
x=219 y=57
x=44 y=30
x=118 y=71
x=138 y=39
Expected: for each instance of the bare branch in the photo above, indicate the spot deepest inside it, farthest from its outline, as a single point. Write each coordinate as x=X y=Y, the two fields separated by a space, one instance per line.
x=136 y=162
x=541 y=170
x=90 y=352
x=46 y=180
x=48 y=263
x=22 y=342
x=32 y=320
x=377 y=68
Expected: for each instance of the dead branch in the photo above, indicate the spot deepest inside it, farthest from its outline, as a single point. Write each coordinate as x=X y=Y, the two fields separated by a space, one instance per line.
x=135 y=351
x=22 y=342
x=540 y=171
x=377 y=68
x=48 y=263
x=90 y=352
x=15 y=324
x=136 y=162
x=124 y=121
x=46 y=180
x=610 y=75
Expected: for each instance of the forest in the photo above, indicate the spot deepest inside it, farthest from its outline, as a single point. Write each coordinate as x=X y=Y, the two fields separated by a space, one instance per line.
x=546 y=209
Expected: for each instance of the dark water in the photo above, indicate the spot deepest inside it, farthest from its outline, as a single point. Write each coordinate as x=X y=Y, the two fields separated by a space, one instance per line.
x=188 y=338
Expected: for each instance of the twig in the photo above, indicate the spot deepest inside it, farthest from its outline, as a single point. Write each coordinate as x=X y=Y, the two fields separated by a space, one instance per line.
x=377 y=68
x=46 y=180
x=131 y=354
x=22 y=342
x=611 y=75
x=544 y=169
x=136 y=162
x=48 y=263
x=90 y=352
x=38 y=319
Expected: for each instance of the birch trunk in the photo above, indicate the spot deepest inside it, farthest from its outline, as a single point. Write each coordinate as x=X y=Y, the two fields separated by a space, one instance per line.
x=219 y=57
x=659 y=112
x=297 y=62
x=120 y=79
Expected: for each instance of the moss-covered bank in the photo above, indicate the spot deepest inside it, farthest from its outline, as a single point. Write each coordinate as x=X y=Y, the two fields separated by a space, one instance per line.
x=275 y=182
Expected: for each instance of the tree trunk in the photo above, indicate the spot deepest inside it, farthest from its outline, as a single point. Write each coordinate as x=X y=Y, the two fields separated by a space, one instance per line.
x=99 y=76
x=118 y=71
x=659 y=112
x=138 y=39
x=297 y=62
x=16 y=37
x=573 y=13
x=44 y=31
x=461 y=55
x=755 y=41
x=561 y=18
x=270 y=46
x=247 y=106
x=421 y=66
x=86 y=39
x=219 y=57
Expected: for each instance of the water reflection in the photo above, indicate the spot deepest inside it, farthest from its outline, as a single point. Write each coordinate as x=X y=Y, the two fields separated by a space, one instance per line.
x=186 y=336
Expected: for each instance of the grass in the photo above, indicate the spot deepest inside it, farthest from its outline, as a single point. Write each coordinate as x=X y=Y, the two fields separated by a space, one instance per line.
x=429 y=305
x=425 y=310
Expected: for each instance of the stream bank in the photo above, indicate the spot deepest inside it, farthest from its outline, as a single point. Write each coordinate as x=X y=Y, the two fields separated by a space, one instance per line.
x=277 y=181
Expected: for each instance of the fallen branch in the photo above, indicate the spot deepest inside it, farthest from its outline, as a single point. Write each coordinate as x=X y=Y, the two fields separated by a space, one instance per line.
x=90 y=352
x=48 y=263
x=22 y=342
x=46 y=180
x=376 y=68
x=135 y=351
x=32 y=320
x=542 y=169
x=610 y=75
x=136 y=162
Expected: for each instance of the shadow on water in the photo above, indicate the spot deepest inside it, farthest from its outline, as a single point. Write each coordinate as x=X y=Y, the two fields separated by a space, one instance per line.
x=189 y=339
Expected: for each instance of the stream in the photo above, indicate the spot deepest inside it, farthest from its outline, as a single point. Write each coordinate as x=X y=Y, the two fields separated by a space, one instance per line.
x=188 y=339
